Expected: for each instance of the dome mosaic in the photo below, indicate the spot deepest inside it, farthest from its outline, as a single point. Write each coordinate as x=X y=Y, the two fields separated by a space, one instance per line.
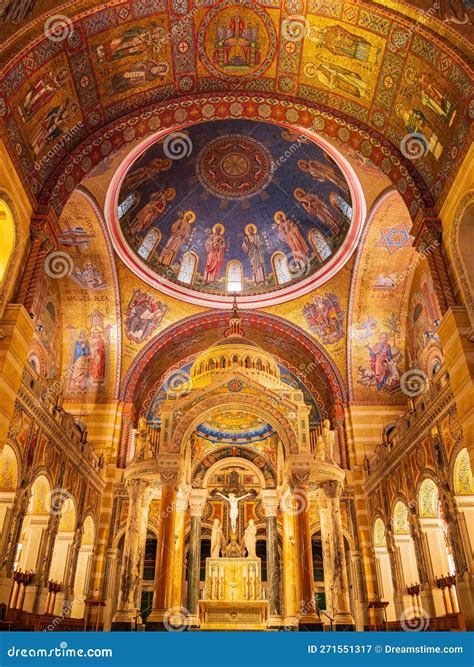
x=235 y=207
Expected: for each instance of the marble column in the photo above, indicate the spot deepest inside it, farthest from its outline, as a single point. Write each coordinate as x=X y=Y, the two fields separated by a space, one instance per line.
x=182 y=503
x=270 y=504
x=332 y=533
x=305 y=551
x=197 y=502
x=290 y=560
x=164 y=552
x=132 y=554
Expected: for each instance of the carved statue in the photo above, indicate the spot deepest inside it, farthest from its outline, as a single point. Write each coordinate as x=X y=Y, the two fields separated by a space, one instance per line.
x=143 y=446
x=250 y=539
x=234 y=510
x=217 y=539
x=320 y=448
x=328 y=438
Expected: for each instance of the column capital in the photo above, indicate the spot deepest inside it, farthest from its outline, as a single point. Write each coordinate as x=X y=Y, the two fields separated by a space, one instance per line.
x=270 y=502
x=197 y=501
x=332 y=488
x=169 y=468
x=182 y=498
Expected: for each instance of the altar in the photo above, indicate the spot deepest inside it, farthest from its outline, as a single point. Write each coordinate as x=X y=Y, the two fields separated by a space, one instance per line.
x=233 y=595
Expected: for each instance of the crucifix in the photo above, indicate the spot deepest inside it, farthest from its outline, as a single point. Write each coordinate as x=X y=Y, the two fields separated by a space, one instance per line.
x=234 y=510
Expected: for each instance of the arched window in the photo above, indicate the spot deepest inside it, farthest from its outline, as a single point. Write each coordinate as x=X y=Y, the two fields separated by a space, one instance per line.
x=127 y=204
x=379 y=534
x=320 y=245
x=7 y=234
x=429 y=504
x=235 y=360
x=341 y=204
x=280 y=268
x=212 y=365
x=463 y=481
x=247 y=362
x=222 y=362
x=234 y=276
x=401 y=525
x=188 y=268
x=149 y=243
x=258 y=365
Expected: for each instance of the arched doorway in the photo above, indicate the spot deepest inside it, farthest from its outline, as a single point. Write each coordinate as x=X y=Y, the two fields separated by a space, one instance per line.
x=383 y=568
x=439 y=550
x=406 y=555
x=8 y=486
x=60 y=559
x=83 y=568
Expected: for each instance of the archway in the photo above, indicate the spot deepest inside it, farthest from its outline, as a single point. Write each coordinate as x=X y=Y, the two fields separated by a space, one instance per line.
x=7 y=234
x=435 y=531
x=83 y=568
x=33 y=529
x=406 y=556
x=464 y=495
x=8 y=486
x=383 y=569
x=60 y=559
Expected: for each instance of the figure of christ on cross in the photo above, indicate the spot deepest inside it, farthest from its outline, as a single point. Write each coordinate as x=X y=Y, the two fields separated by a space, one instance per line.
x=234 y=510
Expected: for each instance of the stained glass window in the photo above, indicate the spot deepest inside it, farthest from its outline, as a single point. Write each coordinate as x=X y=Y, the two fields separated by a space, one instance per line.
x=400 y=519
x=320 y=245
x=280 y=268
x=149 y=243
x=126 y=205
x=343 y=206
x=463 y=482
x=429 y=499
x=187 y=268
x=234 y=276
x=379 y=534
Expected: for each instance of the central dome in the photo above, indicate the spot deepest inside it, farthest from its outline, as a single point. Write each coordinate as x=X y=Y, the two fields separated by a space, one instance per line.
x=235 y=207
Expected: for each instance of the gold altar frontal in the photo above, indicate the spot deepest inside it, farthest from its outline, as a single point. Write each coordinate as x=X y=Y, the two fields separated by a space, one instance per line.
x=233 y=595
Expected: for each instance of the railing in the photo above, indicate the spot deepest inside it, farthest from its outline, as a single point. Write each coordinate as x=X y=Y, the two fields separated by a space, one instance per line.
x=438 y=386
x=47 y=393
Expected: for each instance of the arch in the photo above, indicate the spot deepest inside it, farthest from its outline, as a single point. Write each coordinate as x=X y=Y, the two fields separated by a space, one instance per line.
x=463 y=479
x=83 y=567
x=383 y=568
x=462 y=230
x=255 y=404
x=8 y=469
x=34 y=523
x=133 y=388
x=401 y=524
x=8 y=236
x=188 y=267
x=229 y=461
x=281 y=269
x=428 y=499
x=234 y=276
x=379 y=533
